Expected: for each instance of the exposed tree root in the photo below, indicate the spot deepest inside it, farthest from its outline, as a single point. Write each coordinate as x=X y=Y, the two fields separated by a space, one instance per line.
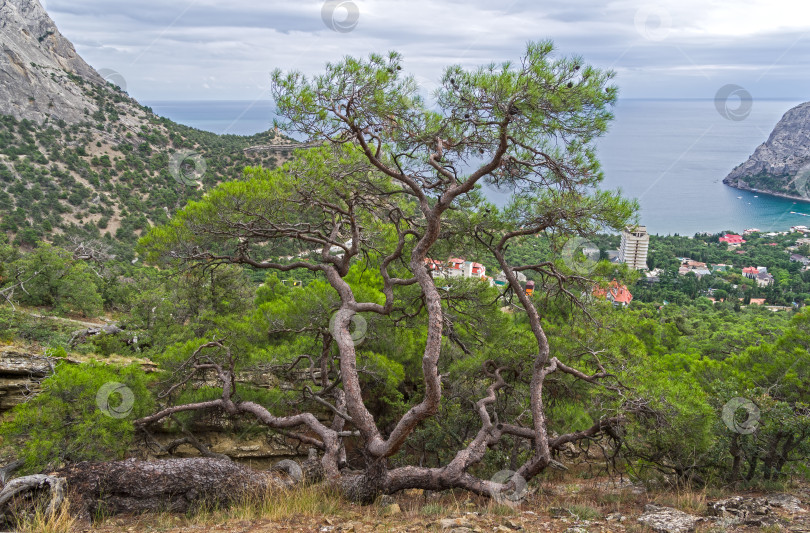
x=36 y=482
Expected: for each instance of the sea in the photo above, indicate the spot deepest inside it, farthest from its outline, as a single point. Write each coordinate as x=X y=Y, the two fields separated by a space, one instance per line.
x=670 y=155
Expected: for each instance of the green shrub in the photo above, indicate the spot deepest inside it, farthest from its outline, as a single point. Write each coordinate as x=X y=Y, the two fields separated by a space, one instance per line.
x=69 y=420
x=107 y=345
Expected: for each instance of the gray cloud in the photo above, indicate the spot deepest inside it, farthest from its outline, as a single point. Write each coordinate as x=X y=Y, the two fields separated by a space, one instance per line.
x=201 y=49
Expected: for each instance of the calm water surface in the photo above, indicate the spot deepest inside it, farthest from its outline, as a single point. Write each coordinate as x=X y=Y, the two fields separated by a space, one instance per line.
x=671 y=155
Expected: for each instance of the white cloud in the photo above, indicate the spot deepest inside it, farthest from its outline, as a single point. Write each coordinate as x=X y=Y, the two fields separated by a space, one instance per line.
x=171 y=50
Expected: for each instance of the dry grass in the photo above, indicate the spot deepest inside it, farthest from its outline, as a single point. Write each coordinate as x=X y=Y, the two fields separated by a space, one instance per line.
x=687 y=500
x=311 y=508
x=274 y=505
x=43 y=522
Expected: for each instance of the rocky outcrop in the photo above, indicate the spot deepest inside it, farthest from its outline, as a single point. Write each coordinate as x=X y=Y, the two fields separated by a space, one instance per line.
x=754 y=511
x=258 y=448
x=41 y=75
x=668 y=520
x=780 y=165
x=20 y=375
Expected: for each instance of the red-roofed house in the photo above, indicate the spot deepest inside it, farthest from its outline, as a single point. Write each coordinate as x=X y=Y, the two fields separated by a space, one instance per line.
x=456 y=263
x=615 y=292
x=433 y=264
x=478 y=269
x=732 y=239
x=457 y=268
x=750 y=272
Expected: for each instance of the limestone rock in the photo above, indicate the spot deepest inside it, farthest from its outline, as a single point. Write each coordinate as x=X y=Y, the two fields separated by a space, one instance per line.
x=789 y=503
x=754 y=511
x=385 y=500
x=41 y=75
x=512 y=524
x=21 y=373
x=448 y=523
x=20 y=376
x=780 y=165
x=668 y=520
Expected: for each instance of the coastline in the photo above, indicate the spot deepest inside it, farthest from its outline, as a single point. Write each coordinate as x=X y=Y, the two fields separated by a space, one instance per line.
x=769 y=193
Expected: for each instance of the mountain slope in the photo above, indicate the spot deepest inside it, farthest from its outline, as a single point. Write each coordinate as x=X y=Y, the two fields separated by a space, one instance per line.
x=780 y=165
x=79 y=157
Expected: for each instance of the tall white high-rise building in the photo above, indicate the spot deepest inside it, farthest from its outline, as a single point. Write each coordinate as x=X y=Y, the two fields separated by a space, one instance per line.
x=635 y=243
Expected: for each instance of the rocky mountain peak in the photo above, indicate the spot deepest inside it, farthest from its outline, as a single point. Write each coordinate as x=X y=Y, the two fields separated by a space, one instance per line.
x=41 y=74
x=780 y=165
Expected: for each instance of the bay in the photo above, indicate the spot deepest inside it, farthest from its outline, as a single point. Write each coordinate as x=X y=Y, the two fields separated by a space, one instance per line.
x=671 y=155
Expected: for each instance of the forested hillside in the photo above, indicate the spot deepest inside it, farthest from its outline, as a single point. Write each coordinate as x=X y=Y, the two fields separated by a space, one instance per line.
x=113 y=176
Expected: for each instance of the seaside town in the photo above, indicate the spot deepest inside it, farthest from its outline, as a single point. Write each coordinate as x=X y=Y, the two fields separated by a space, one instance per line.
x=743 y=273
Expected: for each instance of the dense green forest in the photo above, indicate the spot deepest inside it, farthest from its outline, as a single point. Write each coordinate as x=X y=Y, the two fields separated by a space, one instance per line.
x=688 y=361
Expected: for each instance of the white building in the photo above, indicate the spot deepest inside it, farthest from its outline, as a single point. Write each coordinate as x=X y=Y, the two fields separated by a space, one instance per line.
x=457 y=268
x=635 y=244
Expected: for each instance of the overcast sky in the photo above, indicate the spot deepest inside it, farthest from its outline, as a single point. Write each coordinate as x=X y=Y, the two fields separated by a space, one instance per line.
x=224 y=50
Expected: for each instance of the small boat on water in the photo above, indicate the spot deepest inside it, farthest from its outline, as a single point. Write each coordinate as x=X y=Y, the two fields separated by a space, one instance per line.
x=739 y=198
x=755 y=196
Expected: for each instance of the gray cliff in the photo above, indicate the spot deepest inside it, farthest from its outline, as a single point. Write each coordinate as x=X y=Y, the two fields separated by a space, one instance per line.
x=39 y=67
x=780 y=165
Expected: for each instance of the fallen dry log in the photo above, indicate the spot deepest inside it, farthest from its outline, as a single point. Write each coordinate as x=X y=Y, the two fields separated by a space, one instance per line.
x=135 y=486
